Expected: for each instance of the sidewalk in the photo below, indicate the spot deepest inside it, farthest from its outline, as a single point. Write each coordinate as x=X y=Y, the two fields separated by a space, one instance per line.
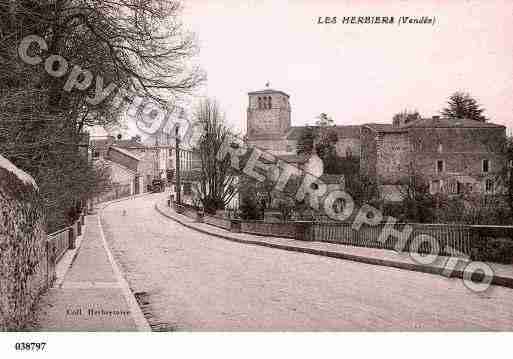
x=91 y=295
x=503 y=274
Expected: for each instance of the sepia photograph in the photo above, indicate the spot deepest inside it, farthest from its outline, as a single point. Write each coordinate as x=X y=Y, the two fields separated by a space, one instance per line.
x=255 y=166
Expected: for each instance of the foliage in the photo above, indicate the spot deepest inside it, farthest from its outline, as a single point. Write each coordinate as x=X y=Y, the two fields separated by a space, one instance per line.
x=490 y=249
x=362 y=189
x=405 y=117
x=418 y=203
x=320 y=139
x=139 y=46
x=305 y=143
x=462 y=105
x=473 y=208
x=323 y=120
x=249 y=208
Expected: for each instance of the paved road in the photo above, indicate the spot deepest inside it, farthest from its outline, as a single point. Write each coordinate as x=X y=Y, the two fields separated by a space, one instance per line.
x=198 y=282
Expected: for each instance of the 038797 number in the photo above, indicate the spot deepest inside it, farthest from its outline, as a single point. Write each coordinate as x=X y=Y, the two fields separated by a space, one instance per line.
x=30 y=346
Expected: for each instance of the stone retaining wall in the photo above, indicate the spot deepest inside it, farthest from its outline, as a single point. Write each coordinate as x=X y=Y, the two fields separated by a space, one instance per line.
x=23 y=262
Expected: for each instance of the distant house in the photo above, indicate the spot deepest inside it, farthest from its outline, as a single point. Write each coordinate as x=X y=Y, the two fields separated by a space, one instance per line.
x=132 y=164
x=452 y=155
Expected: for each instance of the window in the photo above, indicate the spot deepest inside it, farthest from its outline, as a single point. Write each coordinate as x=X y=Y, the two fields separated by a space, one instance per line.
x=96 y=154
x=349 y=153
x=486 y=166
x=435 y=186
x=440 y=166
x=489 y=186
x=269 y=103
x=259 y=103
x=290 y=148
x=417 y=145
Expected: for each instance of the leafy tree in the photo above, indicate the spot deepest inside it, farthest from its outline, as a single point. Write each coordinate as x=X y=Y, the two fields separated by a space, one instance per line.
x=320 y=139
x=305 y=144
x=323 y=120
x=462 y=105
x=405 y=117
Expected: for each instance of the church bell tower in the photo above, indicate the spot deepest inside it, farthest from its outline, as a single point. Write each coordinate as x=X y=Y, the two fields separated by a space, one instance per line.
x=268 y=114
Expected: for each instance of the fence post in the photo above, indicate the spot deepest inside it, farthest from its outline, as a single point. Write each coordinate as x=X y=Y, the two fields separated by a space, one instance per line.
x=72 y=237
x=50 y=263
x=48 y=267
x=79 y=227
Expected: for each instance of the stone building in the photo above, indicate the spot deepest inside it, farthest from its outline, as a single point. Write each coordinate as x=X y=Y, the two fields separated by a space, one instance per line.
x=454 y=156
x=133 y=165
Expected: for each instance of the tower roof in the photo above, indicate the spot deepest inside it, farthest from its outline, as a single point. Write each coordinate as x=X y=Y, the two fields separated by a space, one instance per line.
x=267 y=91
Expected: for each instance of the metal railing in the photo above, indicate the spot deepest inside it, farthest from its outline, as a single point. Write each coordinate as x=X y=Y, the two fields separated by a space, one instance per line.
x=58 y=243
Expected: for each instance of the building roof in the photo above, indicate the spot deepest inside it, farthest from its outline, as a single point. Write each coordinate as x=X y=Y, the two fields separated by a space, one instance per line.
x=342 y=131
x=450 y=123
x=131 y=143
x=267 y=91
x=103 y=144
x=127 y=170
x=125 y=152
x=385 y=127
x=293 y=158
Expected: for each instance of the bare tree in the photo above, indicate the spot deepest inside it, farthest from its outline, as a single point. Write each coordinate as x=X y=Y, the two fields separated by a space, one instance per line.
x=218 y=182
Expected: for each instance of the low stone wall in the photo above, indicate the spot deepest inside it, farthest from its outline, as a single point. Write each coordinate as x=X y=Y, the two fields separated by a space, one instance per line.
x=24 y=271
x=484 y=243
x=296 y=230
x=218 y=222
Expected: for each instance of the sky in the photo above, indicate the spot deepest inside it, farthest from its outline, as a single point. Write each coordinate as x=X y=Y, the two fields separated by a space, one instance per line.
x=355 y=73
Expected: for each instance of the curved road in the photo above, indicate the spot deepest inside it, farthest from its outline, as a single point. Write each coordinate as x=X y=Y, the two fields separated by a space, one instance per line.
x=197 y=282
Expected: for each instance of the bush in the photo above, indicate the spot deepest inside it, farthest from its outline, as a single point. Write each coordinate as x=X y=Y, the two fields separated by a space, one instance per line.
x=490 y=249
x=249 y=209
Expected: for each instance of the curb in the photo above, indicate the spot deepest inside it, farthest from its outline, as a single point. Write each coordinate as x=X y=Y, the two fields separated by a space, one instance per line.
x=496 y=280
x=69 y=262
x=137 y=314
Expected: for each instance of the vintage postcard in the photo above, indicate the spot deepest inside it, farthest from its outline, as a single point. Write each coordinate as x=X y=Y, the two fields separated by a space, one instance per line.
x=255 y=166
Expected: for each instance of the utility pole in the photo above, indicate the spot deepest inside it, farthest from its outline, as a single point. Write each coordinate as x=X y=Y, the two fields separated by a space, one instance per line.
x=178 y=182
